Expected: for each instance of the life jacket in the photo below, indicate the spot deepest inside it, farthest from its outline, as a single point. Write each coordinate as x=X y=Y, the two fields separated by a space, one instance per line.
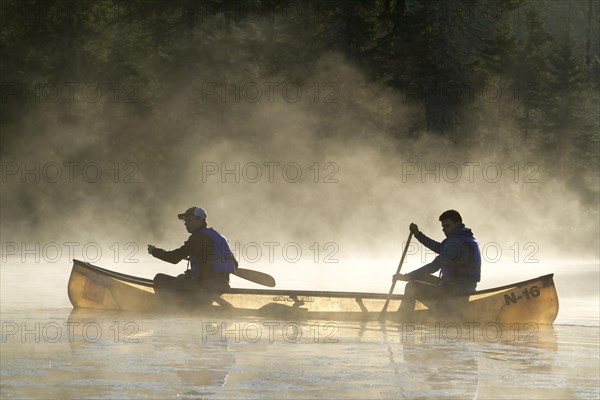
x=463 y=267
x=219 y=256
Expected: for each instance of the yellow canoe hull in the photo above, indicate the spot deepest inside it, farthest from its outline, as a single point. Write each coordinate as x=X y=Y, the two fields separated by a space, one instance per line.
x=531 y=301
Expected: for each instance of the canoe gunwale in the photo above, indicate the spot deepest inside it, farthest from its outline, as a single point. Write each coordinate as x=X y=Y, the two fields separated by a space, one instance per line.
x=98 y=288
x=150 y=283
x=118 y=275
x=499 y=288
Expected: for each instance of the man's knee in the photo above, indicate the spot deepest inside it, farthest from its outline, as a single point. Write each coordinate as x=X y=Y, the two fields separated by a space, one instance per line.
x=161 y=278
x=411 y=287
x=163 y=282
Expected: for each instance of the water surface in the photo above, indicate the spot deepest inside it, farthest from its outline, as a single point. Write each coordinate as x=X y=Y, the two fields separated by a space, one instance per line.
x=50 y=351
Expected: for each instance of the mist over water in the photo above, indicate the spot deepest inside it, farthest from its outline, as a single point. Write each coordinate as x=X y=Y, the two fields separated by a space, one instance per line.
x=312 y=158
x=326 y=174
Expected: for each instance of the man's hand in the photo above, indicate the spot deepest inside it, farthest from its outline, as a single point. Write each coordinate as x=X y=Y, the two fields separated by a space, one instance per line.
x=413 y=228
x=400 y=277
x=151 y=248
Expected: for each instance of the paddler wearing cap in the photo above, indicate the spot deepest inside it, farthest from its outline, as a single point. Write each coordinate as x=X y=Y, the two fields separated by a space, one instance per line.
x=210 y=258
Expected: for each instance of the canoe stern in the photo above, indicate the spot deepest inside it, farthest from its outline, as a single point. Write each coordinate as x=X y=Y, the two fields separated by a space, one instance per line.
x=89 y=287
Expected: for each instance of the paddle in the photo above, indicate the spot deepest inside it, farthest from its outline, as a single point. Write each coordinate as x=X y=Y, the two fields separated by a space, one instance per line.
x=387 y=302
x=254 y=276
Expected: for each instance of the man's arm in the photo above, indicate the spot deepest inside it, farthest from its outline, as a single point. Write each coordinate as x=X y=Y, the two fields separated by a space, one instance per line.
x=173 y=256
x=427 y=269
x=428 y=242
x=423 y=239
x=455 y=253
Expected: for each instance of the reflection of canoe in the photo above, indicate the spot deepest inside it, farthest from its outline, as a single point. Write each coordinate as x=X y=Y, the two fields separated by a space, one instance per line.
x=534 y=300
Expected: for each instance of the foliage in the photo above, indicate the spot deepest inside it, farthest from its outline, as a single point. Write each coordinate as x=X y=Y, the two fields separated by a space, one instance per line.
x=420 y=47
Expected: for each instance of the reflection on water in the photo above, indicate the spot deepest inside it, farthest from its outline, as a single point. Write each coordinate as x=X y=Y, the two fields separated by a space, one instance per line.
x=59 y=354
x=64 y=354
x=109 y=356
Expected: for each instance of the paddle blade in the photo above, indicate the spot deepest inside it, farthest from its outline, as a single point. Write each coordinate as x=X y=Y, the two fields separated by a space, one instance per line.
x=256 y=277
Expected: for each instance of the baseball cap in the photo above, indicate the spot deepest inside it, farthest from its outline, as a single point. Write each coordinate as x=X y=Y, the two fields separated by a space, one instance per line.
x=193 y=212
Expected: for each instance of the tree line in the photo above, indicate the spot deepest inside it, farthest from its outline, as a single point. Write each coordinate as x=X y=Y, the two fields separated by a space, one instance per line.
x=488 y=74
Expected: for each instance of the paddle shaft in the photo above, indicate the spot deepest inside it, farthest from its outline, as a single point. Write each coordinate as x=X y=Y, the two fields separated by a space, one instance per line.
x=387 y=301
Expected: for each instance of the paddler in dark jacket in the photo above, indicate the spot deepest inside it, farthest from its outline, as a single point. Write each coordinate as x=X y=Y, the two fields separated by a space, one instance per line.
x=210 y=258
x=459 y=260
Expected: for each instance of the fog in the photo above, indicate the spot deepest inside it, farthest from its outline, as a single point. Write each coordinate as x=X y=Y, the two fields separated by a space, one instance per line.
x=324 y=160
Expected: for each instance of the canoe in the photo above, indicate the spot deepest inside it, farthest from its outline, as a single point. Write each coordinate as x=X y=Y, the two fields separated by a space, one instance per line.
x=531 y=301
